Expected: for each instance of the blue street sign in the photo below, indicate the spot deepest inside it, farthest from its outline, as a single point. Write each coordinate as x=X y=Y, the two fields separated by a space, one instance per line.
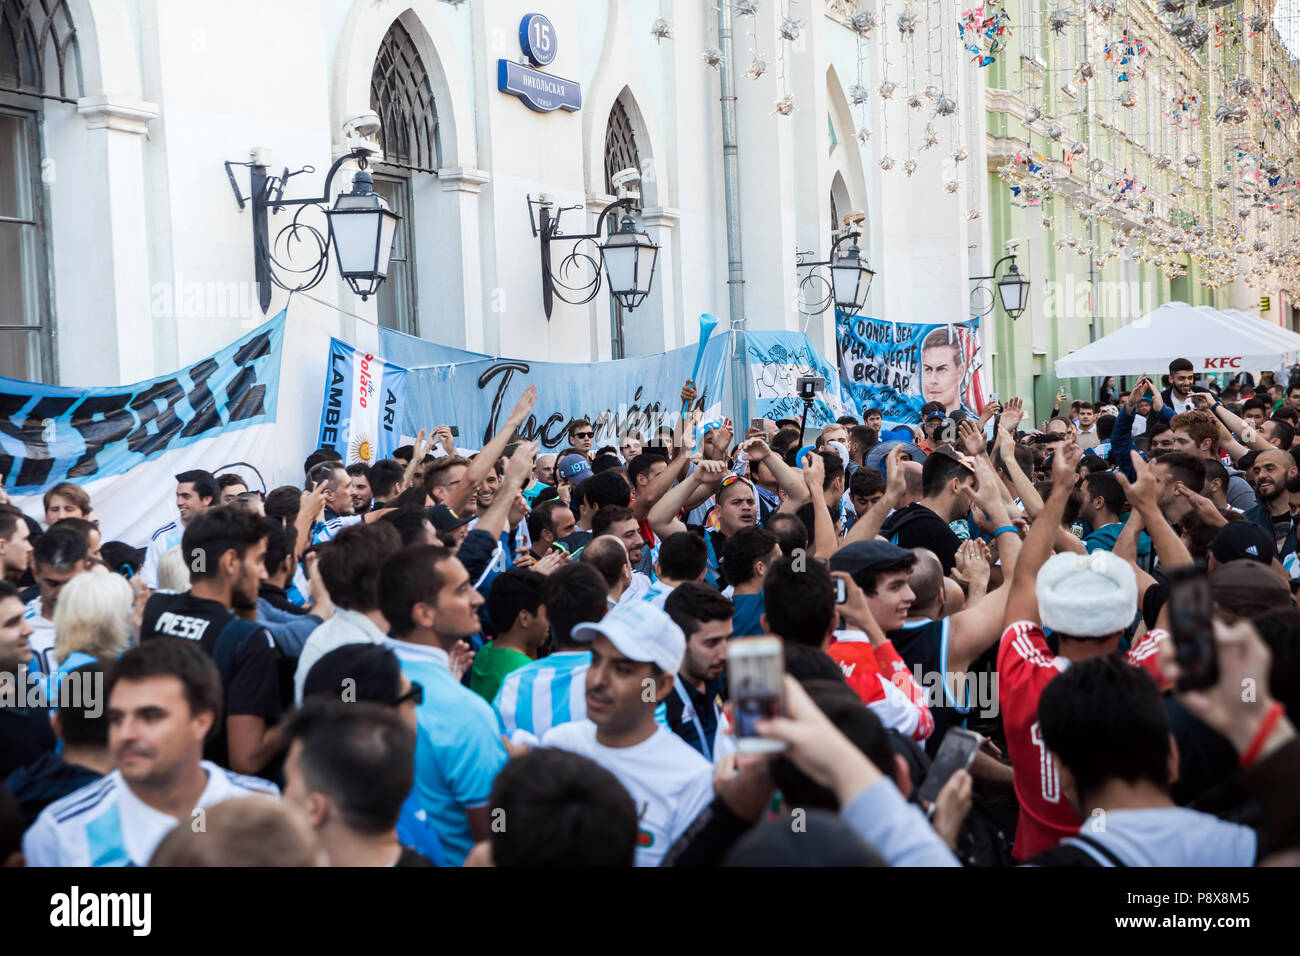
x=540 y=91
x=537 y=39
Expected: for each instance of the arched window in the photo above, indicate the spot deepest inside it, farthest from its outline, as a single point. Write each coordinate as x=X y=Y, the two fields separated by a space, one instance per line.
x=39 y=54
x=400 y=92
x=402 y=95
x=620 y=153
x=40 y=65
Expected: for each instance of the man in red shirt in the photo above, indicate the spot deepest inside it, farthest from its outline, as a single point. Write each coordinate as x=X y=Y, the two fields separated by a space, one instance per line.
x=1088 y=601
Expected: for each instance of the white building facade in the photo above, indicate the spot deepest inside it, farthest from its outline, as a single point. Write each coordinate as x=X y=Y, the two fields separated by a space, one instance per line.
x=133 y=257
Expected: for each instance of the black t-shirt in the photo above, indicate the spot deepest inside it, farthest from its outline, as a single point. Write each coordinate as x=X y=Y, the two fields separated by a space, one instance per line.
x=251 y=687
x=25 y=735
x=916 y=526
x=410 y=858
x=924 y=645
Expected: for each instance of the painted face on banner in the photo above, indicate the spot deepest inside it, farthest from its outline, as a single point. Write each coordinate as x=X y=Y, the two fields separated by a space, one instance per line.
x=941 y=372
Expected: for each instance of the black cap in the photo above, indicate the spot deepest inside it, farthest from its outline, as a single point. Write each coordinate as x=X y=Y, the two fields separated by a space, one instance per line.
x=1242 y=539
x=444 y=519
x=868 y=556
x=824 y=840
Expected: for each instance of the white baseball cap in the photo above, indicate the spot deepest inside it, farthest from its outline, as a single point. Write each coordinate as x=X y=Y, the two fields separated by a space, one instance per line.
x=641 y=632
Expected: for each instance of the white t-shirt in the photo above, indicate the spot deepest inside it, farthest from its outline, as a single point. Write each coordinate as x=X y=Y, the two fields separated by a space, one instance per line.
x=106 y=824
x=668 y=779
x=42 y=639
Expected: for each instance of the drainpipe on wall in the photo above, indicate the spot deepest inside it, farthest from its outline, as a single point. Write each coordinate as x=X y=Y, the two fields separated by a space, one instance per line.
x=731 y=188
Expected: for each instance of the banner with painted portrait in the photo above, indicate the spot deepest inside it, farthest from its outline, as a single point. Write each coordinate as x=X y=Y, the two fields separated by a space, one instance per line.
x=900 y=366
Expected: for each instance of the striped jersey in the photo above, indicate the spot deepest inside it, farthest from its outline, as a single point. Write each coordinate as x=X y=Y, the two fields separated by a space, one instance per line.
x=106 y=824
x=544 y=693
x=330 y=525
x=162 y=541
x=42 y=637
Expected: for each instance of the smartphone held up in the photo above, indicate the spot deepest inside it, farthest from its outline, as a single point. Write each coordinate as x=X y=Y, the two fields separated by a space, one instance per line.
x=755 y=666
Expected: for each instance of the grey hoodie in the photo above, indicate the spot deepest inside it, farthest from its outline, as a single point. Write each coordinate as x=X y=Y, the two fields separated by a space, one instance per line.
x=1168 y=837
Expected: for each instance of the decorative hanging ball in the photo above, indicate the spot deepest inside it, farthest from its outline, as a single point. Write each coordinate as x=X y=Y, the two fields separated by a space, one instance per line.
x=1032 y=114
x=909 y=167
x=886 y=89
x=930 y=138
x=906 y=24
x=661 y=29
x=1094 y=166
x=1223 y=182
x=972 y=214
x=952 y=185
x=790 y=28
x=1242 y=85
x=1058 y=20
x=1103 y=9
x=758 y=66
x=712 y=56
x=887 y=163
x=785 y=105
x=1233 y=112
x=1078 y=149
x=1129 y=99
x=915 y=101
x=858 y=94
x=1055 y=132
x=944 y=105
x=745 y=8
x=959 y=154
x=1192 y=161
x=1084 y=72
x=1046 y=222
x=1171 y=6
x=1163 y=162
x=863 y=22
x=864 y=135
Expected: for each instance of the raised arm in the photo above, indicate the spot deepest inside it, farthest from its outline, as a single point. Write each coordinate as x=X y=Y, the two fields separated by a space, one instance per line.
x=1250 y=437
x=663 y=515
x=789 y=480
x=1022 y=603
x=518 y=467
x=486 y=459
x=868 y=525
x=814 y=473
x=1142 y=495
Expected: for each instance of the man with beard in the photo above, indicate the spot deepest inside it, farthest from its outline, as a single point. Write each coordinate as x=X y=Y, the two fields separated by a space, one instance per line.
x=163 y=699
x=1273 y=469
x=224 y=548
x=694 y=710
x=947 y=486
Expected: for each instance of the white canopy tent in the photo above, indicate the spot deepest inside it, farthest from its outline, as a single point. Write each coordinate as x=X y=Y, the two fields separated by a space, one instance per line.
x=1213 y=341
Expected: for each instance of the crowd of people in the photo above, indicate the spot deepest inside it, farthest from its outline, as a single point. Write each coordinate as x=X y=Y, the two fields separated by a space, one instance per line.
x=512 y=658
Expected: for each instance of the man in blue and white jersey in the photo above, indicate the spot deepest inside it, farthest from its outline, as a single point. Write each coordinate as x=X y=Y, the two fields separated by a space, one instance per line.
x=196 y=492
x=552 y=690
x=163 y=698
x=60 y=555
x=338 y=500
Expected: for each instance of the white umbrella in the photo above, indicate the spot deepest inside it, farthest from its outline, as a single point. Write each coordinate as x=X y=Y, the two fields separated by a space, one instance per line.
x=1212 y=341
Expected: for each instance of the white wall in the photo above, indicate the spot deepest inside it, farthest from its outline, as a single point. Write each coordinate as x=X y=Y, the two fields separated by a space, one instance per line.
x=153 y=258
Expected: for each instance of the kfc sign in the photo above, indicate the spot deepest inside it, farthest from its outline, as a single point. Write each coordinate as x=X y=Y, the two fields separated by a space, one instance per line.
x=1222 y=362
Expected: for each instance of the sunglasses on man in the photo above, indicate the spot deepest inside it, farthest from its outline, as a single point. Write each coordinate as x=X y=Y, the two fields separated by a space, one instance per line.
x=584 y=434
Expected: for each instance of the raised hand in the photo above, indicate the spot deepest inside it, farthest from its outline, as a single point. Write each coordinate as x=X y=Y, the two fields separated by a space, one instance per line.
x=971 y=439
x=525 y=405
x=895 y=482
x=1141 y=494
x=1065 y=464
x=1205 y=509
x=755 y=449
x=460 y=659
x=551 y=561
x=442 y=435
x=520 y=465
x=688 y=392
x=312 y=502
x=1012 y=414
x=813 y=471
x=709 y=472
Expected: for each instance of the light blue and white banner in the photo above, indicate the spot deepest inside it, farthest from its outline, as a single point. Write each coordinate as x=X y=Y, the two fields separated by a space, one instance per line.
x=124 y=444
x=476 y=392
x=361 y=414
x=775 y=361
x=900 y=366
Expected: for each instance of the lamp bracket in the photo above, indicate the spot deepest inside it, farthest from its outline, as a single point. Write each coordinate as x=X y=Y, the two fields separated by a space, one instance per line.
x=815 y=283
x=546 y=226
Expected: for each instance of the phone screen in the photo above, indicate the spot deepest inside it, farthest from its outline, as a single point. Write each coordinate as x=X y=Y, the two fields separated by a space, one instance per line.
x=955 y=753
x=755 y=668
x=841 y=591
x=1192 y=627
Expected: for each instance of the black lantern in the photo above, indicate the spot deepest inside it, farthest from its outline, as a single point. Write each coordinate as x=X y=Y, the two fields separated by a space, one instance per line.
x=849 y=282
x=629 y=256
x=1012 y=289
x=362 y=228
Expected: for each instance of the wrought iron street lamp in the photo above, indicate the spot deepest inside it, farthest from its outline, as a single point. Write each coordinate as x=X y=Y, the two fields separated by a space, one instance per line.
x=849 y=282
x=1012 y=289
x=627 y=254
x=361 y=228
